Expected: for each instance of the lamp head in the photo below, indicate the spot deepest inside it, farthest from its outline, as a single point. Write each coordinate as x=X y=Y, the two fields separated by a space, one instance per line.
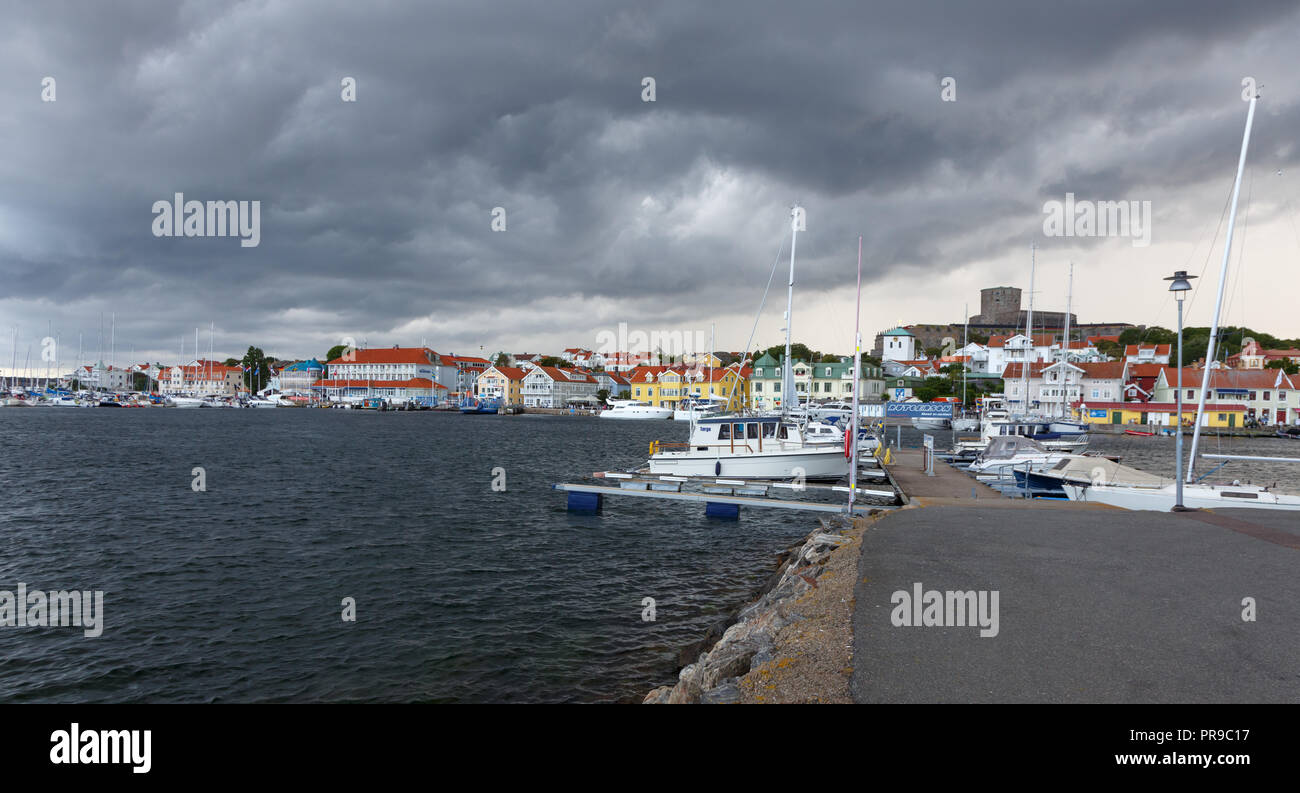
x=1181 y=282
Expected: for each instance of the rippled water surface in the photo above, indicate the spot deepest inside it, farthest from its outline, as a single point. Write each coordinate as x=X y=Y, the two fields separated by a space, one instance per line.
x=463 y=594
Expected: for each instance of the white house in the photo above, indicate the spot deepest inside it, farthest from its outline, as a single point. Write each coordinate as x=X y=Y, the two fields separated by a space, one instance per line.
x=1147 y=353
x=899 y=345
x=1006 y=350
x=552 y=387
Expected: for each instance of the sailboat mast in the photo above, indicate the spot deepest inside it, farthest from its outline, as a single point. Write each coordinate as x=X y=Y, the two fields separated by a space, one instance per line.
x=1029 y=328
x=965 y=342
x=1065 y=356
x=788 y=370
x=1218 y=302
x=852 y=428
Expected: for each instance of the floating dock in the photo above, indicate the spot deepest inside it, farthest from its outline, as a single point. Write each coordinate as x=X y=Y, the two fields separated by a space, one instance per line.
x=723 y=498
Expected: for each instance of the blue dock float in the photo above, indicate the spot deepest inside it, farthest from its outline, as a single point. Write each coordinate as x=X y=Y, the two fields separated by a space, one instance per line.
x=713 y=509
x=590 y=503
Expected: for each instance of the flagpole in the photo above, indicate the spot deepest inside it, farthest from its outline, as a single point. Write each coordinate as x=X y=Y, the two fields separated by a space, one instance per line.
x=857 y=378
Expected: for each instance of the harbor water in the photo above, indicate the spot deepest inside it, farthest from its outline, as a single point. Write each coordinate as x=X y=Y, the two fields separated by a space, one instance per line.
x=463 y=593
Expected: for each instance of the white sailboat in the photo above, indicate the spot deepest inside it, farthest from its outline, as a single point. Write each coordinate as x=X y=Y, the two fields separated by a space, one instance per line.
x=1163 y=496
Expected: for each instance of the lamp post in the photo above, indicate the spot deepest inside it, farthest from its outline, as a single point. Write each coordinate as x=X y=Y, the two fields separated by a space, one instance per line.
x=1180 y=283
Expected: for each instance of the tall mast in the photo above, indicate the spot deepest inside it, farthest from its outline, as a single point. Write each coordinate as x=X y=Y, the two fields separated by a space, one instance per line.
x=965 y=342
x=1065 y=356
x=787 y=372
x=852 y=429
x=1223 y=278
x=1029 y=330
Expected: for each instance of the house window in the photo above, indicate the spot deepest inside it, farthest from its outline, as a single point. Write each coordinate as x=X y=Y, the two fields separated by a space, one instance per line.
x=1266 y=394
x=758 y=386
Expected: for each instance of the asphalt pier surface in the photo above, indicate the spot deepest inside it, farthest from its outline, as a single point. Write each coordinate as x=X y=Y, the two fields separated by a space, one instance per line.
x=1094 y=604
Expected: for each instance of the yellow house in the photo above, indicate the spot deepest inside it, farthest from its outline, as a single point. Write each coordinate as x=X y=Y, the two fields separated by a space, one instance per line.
x=1160 y=414
x=501 y=382
x=666 y=386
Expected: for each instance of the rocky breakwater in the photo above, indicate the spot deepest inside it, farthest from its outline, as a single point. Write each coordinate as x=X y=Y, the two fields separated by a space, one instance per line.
x=752 y=639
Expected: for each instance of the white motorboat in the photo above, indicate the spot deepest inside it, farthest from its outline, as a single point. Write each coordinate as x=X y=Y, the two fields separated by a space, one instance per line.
x=698 y=408
x=258 y=402
x=187 y=402
x=931 y=424
x=1195 y=496
x=1009 y=453
x=750 y=447
x=965 y=424
x=634 y=410
x=828 y=433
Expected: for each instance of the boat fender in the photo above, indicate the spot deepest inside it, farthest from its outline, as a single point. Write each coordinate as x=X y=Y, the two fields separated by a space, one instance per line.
x=717 y=468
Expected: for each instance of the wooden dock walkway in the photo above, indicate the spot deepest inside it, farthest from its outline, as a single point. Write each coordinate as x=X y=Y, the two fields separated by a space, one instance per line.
x=947 y=483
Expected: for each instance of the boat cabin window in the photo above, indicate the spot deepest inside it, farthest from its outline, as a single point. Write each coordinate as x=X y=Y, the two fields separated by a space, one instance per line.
x=769 y=429
x=751 y=431
x=724 y=432
x=783 y=433
x=738 y=430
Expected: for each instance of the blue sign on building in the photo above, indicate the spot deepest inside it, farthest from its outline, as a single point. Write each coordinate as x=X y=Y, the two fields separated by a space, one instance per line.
x=1097 y=414
x=925 y=410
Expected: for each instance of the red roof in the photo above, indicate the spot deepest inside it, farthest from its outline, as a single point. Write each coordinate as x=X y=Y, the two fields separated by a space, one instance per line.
x=573 y=376
x=1094 y=339
x=465 y=359
x=386 y=355
x=512 y=372
x=414 y=382
x=1015 y=370
x=1102 y=370
x=1230 y=378
x=1160 y=349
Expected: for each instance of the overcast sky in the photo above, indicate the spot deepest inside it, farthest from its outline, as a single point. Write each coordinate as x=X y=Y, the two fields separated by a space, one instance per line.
x=376 y=215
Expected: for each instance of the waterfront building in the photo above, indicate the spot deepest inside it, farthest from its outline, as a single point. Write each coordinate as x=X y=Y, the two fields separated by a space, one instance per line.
x=1160 y=414
x=417 y=389
x=1268 y=396
x=501 y=382
x=458 y=373
x=298 y=377
x=552 y=387
x=201 y=378
x=385 y=363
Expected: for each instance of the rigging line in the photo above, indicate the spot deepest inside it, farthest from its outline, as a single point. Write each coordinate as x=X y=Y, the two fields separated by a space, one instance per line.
x=1209 y=252
x=747 y=351
x=1238 y=274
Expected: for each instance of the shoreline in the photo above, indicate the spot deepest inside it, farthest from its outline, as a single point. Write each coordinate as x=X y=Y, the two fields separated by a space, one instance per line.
x=793 y=641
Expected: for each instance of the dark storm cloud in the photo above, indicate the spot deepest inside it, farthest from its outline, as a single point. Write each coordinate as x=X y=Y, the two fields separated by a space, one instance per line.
x=377 y=213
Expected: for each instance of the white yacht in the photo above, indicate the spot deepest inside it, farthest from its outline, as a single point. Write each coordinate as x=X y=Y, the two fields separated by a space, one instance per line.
x=1008 y=453
x=757 y=447
x=187 y=402
x=632 y=409
x=699 y=407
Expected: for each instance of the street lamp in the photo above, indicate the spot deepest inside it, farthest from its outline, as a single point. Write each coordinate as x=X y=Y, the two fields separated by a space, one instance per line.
x=1181 y=282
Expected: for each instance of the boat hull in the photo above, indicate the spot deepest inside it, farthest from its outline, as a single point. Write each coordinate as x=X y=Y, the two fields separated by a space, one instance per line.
x=1194 y=496
x=811 y=464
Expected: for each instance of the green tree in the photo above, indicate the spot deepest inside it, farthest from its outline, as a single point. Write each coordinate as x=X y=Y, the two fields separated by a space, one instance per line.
x=602 y=395
x=257 y=369
x=552 y=360
x=1285 y=364
x=335 y=352
x=502 y=360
